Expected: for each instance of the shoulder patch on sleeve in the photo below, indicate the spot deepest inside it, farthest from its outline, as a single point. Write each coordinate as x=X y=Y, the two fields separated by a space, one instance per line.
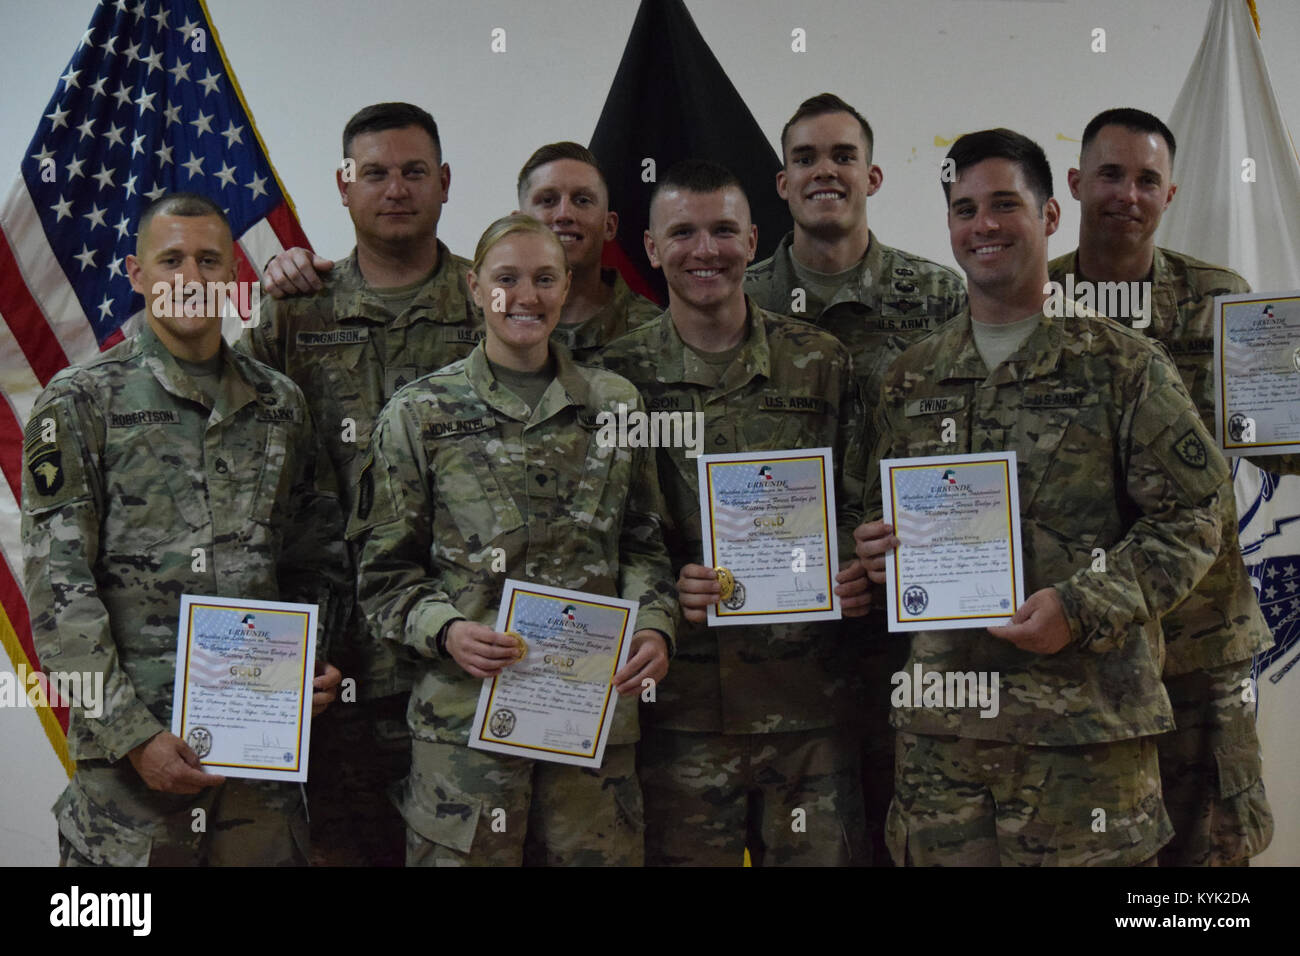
x=1191 y=450
x=52 y=466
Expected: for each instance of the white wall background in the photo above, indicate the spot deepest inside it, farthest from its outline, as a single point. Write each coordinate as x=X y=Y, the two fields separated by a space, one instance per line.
x=922 y=71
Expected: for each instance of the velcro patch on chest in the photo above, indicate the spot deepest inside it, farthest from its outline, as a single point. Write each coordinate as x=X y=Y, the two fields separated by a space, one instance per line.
x=333 y=337
x=1190 y=346
x=811 y=404
x=277 y=415
x=461 y=426
x=668 y=403
x=144 y=416
x=938 y=405
x=462 y=334
x=1061 y=398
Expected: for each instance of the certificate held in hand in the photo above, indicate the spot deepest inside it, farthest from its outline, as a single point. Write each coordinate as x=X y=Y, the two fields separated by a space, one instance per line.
x=958 y=520
x=768 y=522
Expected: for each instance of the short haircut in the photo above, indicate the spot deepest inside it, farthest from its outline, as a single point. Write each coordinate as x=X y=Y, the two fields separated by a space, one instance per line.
x=1003 y=144
x=178 y=204
x=697 y=176
x=511 y=225
x=1136 y=121
x=552 y=152
x=385 y=116
x=820 y=105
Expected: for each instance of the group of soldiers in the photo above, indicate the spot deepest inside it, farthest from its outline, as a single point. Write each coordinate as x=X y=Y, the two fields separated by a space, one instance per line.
x=396 y=420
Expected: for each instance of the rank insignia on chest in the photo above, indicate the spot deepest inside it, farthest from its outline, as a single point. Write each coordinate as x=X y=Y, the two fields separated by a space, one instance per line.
x=1191 y=450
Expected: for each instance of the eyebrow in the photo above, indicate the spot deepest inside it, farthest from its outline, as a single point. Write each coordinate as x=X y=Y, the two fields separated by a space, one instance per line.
x=1106 y=167
x=176 y=250
x=836 y=147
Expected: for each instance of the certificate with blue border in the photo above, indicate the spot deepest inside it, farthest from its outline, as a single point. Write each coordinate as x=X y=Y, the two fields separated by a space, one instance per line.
x=557 y=702
x=243 y=689
x=958 y=520
x=1257 y=373
x=769 y=518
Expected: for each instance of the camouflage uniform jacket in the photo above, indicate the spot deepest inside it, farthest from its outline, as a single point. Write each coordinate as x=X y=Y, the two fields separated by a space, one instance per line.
x=623 y=313
x=349 y=353
x=142 y=474
x=790 y=386
x=1111 y=455
x=1220 y=622
x=460 y=470
x=896 y=299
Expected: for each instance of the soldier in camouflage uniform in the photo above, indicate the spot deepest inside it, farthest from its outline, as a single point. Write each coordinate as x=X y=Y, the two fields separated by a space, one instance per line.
x=562 y=186
x=1114 y=466
x=756 y=724
x=832 y=271
x=396 y=309
x=491 y=468
x=1209 y=765
x=168 y=465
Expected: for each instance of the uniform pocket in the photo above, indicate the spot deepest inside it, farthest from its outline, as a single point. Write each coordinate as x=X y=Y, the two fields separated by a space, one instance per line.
x=479 y=504
x=151 y=495
x=439 y=811
x=95 y=835
x=1239 y=767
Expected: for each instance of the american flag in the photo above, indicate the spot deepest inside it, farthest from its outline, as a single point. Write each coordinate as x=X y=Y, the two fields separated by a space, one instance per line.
x=147 y=105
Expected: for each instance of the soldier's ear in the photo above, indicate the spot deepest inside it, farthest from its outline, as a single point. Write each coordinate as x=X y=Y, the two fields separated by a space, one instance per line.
x=650 y=253
x=476 y=293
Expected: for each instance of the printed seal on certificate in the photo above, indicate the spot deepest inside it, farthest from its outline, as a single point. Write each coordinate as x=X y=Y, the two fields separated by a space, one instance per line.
x=200 y=741
x=502 y=723
x=915 y=599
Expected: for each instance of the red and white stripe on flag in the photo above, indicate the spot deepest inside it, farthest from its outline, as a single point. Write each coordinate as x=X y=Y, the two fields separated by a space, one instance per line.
x=147 y=105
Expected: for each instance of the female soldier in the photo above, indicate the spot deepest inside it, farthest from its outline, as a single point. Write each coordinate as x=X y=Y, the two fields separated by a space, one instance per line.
x=491 y=468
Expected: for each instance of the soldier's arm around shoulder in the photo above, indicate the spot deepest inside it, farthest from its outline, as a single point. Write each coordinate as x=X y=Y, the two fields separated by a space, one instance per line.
x=1173 y=475
x=63 y=502
x=314 y=565
x=391 y=532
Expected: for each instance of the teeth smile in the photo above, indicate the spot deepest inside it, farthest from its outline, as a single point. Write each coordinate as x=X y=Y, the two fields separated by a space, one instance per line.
x=988 y=250
x=523 y=316
x=826 y=194
x=704 y=273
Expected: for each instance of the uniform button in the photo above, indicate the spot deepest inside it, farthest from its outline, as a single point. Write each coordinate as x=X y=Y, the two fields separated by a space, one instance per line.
x=222 y=467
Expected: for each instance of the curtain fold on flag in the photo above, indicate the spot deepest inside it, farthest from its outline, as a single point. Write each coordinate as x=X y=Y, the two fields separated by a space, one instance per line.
x=147 y=104
x=671 y=100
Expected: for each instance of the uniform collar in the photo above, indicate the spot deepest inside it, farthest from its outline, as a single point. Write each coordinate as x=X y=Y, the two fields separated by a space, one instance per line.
x=868 y=274
x=1165 y=291
x=1039 y=355
x=602 y=326
x=676 y=362
x=441 y=299
x=568 y=388
x=235 y=391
